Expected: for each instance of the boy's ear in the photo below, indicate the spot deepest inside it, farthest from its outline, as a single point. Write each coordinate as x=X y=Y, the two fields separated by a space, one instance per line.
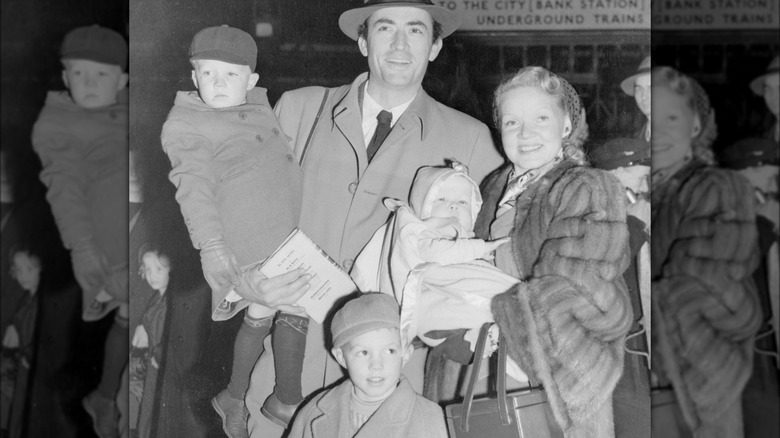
x=253 y=78
x=339 y=355
x=194 y=79
x=123 y=78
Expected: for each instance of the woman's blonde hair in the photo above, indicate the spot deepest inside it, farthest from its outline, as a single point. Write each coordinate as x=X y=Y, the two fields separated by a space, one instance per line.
x=568 y=100
x=697 y=100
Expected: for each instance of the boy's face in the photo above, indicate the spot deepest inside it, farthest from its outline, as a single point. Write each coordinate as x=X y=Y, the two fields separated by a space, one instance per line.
x=156 y=271
x=453 y=199
x=374 y=361
x=93 y=84
x=26 y=269
x=221 y=84
x=771 y=94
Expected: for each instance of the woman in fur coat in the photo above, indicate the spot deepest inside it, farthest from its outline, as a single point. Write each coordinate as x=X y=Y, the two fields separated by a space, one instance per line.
x=566 y=321
x=704 y=250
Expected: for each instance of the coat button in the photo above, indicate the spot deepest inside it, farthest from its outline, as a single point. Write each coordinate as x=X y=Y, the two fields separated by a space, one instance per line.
x=347 y=263
x=242 y=115
x=290 y=158
x=259 y=138
x=275 y=131
x=352 y=187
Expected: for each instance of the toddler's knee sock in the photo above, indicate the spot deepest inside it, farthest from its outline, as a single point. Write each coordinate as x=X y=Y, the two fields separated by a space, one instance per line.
x=246 y=350
x=289 y=343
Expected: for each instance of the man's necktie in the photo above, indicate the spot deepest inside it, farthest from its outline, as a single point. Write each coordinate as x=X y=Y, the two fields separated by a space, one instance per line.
x=382 y=129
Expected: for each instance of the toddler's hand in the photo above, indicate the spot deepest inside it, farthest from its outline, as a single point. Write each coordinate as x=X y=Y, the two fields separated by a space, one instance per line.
x=219 y=264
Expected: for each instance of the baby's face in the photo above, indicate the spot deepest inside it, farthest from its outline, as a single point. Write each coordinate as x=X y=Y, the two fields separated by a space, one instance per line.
x=453 y=199
x=374 y=361
x=221 y=84
x=93 y=84
x=26 y=269
x=156 y=270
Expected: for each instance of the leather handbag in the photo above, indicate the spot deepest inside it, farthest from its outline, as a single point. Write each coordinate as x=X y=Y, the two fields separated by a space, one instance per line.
x=522 y=413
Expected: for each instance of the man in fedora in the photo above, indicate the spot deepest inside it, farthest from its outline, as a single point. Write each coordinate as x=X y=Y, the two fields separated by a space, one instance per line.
x=360 y=143
x=638 y=86
x=767 y=85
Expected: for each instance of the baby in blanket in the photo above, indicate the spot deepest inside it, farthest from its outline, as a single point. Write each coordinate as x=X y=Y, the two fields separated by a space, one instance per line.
x=426 y=255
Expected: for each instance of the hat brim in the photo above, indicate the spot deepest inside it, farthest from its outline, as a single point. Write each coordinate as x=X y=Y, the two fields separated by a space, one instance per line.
x=350 y=20
x=757 y=84
x=628 y=83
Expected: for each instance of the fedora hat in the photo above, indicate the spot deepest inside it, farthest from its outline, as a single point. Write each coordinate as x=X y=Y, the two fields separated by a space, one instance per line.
x=351 y=19
x=757 y=84
x=628 y=83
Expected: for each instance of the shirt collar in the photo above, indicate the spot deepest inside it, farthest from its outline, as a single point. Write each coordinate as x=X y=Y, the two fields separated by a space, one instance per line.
x=371 y=108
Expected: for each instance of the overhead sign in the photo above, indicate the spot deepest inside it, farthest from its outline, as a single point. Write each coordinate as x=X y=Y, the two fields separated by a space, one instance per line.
x=521 y=15
x=715 y=14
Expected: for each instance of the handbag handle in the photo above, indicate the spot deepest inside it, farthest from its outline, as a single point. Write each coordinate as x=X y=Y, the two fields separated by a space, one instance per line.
x=479 y=351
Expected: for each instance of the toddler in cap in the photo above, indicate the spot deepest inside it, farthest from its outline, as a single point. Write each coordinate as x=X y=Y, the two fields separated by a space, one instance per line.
x=427 y=256
x=239 y=190
x=81 y=137
x=376 y=401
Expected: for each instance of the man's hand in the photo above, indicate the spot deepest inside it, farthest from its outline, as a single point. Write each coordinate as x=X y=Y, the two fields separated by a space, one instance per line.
x=280 y=292
x=219 y=264
x=90 y=265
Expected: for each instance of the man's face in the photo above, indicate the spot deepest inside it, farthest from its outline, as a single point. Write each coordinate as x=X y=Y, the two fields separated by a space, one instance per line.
x=93 y=84
x=771 y=95
x=675 y=125
x=374 y=361
x=642 y=94
x=399 y=44
x=634 y=177
x=222 y=84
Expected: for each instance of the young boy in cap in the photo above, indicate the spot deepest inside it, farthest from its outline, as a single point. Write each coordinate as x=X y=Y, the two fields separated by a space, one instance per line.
x=239 y=189
x=81 y=137
x=629 y=160
x=376 y=401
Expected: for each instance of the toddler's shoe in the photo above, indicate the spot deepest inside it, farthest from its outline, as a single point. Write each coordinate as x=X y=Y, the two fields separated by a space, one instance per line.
x=104 y=413
x=233 y=413
x=277 y=411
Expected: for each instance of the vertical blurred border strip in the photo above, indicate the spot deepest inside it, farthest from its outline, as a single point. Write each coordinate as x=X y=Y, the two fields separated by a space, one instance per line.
x=724 y=45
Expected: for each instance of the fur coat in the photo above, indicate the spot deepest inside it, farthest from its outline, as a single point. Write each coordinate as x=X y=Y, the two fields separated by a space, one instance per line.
x=567 y=319
x=705 y=308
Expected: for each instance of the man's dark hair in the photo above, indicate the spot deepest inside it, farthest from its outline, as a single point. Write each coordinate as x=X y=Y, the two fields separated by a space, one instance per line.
x=363 y=30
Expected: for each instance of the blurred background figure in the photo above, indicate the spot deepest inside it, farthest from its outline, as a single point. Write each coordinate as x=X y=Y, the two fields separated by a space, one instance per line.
x=766 y=85
x=638 y=86
x=757 y=160
x=704 y=250
x=629 y=160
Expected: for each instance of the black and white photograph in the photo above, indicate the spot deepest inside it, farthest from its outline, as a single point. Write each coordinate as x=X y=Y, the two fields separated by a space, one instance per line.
x=390 y=218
